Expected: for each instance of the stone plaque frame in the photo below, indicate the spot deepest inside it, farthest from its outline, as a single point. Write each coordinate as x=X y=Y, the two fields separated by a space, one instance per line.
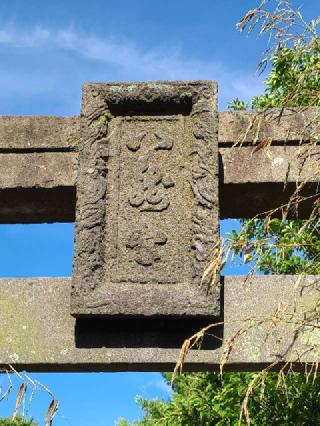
x=104 y=282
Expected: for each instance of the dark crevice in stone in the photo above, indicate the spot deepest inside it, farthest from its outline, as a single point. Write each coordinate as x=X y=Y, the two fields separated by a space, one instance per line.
x=132 y=108
x=38 y=150
x=143 y=333
x=229 y=144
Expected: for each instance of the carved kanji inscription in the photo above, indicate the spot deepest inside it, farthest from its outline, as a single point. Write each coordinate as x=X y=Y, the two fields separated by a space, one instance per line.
x=147 y=208
x=145 y=247
x=152 y=184
x=149 y=192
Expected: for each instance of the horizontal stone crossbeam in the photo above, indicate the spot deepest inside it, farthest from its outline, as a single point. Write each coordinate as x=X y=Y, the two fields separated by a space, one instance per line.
x=38 y=160
x=38 y=334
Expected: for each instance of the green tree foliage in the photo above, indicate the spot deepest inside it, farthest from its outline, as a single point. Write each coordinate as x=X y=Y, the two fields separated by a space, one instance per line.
x=293 y=54
x=17 y=422
x=204 y=399
x=279 y=247
x=294 y=79
x=282 y=246
x=274 y=246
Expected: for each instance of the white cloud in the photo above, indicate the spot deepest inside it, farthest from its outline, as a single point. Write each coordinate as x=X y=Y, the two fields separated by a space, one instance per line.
x=31 y=39
x=156 y=385
x=120 y=59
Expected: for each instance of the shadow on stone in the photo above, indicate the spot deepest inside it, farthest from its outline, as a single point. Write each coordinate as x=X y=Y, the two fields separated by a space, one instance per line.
x=142 y=333
x=139 y=107
x=147 y=332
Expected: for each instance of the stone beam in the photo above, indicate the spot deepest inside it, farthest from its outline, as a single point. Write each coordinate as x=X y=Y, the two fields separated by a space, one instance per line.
x=38 y=160
x=290 y=126
x=249 y=184
x=50 y=339
x=38 y=133
x=47 y=133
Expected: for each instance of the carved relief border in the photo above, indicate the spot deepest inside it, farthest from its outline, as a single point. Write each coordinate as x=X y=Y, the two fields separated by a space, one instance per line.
x=101 y=104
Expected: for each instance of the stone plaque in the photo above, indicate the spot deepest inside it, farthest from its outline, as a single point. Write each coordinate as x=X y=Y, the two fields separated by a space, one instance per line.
x=147 y=201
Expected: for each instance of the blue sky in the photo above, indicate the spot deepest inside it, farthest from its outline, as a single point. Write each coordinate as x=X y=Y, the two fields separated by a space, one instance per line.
x=48 y=49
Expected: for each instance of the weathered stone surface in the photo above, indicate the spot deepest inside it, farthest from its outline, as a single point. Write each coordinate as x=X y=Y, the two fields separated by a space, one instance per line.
x=37 y=332
x=291 y=126
x=38 y=133
x=254 y=182
x=275 y=164
x=38 y=170
x=147 y=200
x=63 y=133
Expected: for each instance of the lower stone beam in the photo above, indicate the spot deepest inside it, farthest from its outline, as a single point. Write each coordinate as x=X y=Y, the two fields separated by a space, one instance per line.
x=265 y=320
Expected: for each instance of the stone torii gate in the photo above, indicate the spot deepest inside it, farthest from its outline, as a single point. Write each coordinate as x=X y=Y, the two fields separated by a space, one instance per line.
x=153 y=167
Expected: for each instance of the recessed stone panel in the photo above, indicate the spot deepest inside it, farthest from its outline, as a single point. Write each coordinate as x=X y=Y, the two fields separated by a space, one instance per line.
x=147 y=201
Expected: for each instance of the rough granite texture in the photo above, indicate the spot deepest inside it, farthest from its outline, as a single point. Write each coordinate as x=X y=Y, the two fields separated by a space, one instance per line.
x=38 y=170
x=38 y=133
x=147 y=200
x=279 y=164
x=38 y=333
